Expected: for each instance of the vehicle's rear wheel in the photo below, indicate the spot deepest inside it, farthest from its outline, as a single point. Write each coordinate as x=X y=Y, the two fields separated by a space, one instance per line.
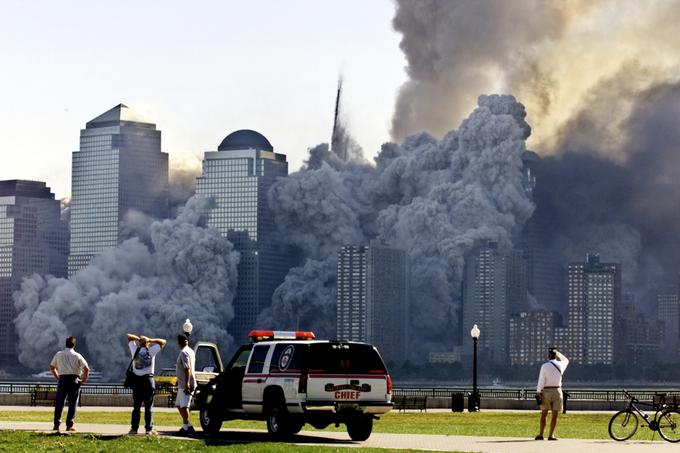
x=359 y=427
x=211 y=421
x=278 y=423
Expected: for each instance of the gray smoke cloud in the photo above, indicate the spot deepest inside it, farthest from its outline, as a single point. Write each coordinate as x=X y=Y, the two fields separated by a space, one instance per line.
x=187 y=271
x=434 y=198
x=600 y=83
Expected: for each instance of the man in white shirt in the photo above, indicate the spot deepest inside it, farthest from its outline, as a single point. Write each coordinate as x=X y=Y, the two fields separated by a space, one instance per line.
x=71 y=371
x=143 y=351
x=549 y=390
x=186 y=382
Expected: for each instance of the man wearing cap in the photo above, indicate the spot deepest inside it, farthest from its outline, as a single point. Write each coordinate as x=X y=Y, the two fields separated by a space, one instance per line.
x=71 y=371
x=143 y=350
x=549 y=390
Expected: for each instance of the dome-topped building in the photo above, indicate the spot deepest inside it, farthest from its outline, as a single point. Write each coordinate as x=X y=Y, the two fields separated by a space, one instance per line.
x=245 y=139
x=238 y=177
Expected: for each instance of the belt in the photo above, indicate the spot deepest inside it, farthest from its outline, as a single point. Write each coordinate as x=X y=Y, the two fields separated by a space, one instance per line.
x=546 y=387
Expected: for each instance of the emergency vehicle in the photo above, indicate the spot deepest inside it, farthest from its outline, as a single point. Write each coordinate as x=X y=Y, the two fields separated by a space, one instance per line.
x=289 y=379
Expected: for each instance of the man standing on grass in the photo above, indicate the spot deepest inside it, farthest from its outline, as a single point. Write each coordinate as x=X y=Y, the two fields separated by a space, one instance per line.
x=71 y=371
x=143 y=350
x=549 y=390
x=186 y=383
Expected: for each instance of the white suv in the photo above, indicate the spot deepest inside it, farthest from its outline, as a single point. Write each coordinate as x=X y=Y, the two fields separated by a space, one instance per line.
x=289 y=379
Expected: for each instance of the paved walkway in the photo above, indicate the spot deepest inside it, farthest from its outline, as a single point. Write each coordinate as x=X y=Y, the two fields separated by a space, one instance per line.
x=381 y=440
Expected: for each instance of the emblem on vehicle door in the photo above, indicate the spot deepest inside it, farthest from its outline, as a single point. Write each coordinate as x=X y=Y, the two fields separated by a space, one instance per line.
x=286 y=358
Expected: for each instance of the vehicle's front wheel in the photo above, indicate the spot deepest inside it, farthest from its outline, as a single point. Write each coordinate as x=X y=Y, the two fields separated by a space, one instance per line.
x=359 y=427
x=211 y=421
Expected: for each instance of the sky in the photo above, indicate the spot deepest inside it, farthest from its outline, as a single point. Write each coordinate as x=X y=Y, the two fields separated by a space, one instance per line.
x=199 y=72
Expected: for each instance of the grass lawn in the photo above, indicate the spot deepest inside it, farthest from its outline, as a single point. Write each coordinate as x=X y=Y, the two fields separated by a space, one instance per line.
x=19 y=441
x=577 y=425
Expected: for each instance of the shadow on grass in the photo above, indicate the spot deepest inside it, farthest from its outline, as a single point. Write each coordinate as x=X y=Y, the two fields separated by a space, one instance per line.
x=226 y=438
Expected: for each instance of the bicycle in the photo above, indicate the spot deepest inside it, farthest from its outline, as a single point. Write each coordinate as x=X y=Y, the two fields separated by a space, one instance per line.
x=624 y=424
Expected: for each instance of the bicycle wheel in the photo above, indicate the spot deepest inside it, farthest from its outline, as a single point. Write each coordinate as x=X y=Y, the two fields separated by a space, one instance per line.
x=669 y=425
x=623 y=425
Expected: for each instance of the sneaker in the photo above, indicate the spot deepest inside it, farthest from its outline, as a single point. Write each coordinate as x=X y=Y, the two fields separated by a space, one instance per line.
x=132 y=432
x=182 y=432
x=552 y=438
x=71 y=429
x=55 y=428
x=191 y=430
x=539 y=437
x=151 y=432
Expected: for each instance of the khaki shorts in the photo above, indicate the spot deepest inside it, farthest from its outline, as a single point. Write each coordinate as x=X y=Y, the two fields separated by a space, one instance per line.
x=551 y=400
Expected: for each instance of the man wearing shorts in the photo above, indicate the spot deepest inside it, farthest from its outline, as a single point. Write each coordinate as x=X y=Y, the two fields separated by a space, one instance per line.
x=186 y=383
x=549 y=390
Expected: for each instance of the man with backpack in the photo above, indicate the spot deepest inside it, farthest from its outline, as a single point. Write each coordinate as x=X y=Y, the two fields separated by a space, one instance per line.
x=143 y=351
x=549 y=390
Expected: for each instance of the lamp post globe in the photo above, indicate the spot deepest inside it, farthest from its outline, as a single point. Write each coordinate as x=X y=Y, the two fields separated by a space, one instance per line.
x=187 y=327
x=474 y=399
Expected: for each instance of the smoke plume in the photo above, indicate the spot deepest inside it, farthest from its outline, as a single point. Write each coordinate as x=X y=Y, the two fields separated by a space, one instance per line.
x=187 y=271
x=600 y=81
x=434 y=198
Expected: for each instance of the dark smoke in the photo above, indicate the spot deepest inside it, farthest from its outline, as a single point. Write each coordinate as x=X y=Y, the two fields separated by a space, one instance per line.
x=187 y=271
x=436 y=199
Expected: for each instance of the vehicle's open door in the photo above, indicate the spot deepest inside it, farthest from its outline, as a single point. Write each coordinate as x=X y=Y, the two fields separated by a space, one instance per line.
x=208 y=361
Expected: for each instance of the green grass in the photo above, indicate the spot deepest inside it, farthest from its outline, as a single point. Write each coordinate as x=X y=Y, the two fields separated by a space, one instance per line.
x=576 y=425
x=19 y=441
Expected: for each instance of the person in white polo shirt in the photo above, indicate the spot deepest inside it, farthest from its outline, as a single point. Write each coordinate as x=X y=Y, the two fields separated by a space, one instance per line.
x=71 y=371
x=549 y=390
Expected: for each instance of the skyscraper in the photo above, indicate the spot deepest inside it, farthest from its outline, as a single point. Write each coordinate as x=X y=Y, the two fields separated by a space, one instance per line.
x=544 y=272
x=119 y=168
x=485 y=297
x=373 y=297
x=237 y=177
x=668 y=314
x=33 y=239
x=593 y=297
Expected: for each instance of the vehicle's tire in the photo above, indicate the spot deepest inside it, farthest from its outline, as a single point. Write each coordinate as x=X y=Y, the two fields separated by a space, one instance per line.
x=359 y=427
x=295 y=424
x=278 y=421
x=669 y=425
x=623 y=425
x=211 y=421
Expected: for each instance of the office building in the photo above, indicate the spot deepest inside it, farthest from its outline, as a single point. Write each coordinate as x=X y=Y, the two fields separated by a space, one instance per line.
x=118 y=168
x=490 y=278
x=33 y=239
x=668 y=315
x=531 y=334
x=593 y=297
x=544 y=278
x=373 y=298
x=238 y=177
x=641 y=336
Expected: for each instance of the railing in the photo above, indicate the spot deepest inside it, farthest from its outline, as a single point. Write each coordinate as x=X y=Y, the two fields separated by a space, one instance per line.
x=528 y=394
x=433 y=392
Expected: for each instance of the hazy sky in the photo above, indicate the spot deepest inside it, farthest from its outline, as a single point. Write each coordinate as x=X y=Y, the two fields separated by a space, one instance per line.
x=199 y=71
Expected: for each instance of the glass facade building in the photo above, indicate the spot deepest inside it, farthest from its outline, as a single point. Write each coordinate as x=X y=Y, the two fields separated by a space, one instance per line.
x=373 y=298
x=33 y=239
x=119 y=167
x=237 y=177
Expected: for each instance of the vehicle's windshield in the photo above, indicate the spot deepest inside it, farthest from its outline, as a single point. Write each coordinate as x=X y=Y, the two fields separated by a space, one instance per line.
x=344 y=358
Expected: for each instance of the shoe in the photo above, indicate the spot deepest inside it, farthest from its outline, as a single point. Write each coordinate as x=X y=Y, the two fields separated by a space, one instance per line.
x=71 y=429
x=552 y=438
x=151 y=432
x=539 y=437
x=55 y=428
x=191 y=430
x=132 y=432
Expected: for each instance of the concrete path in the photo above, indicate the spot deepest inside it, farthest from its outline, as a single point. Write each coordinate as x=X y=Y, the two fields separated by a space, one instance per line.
x=380 y=440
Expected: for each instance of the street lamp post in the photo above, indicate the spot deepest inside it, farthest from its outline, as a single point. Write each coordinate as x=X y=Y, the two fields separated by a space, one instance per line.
x=473 y=399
